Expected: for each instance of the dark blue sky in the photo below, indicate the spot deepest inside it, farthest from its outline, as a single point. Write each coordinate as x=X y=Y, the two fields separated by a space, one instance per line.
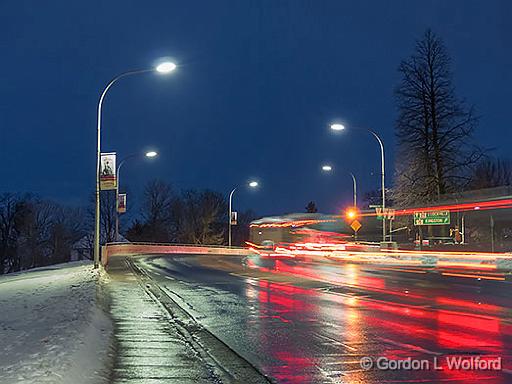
x=258 y=82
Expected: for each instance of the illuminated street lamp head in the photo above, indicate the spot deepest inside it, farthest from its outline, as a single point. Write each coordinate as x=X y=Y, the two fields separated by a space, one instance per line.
x=151 y=154
x=351 y=213
x=165 y=67
x=326 y=168
x=337 y=127
x=253 y=184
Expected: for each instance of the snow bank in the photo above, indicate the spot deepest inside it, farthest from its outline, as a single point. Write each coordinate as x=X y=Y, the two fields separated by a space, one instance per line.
x=52 y=326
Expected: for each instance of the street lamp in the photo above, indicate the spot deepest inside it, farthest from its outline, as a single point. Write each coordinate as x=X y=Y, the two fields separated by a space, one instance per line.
x=149 y=154
x=340 y=127
x=163 y=68
x=328 y=168
x=252 y=184
x=337 y=127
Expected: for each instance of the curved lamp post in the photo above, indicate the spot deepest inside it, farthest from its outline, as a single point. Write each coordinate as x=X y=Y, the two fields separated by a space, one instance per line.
x=252 y=184
x=149 y=154
x=163 y=68
x=328 y=168
x=341 y=127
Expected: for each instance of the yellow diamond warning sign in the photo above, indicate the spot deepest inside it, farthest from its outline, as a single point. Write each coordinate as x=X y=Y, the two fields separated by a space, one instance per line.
x=356 y=225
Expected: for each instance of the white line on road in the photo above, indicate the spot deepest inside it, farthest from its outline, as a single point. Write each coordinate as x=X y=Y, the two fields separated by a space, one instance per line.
x=410 y=346
x=332 y=340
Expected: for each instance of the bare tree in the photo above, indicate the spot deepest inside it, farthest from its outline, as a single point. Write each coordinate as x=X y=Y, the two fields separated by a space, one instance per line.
x=157 y=206
x=434 y=128
x=33 y=224
x=108 y=216
x=374 y=197
x=68 y=226
x=157 y=222
x=492 y=172
x=241 y=230
x=200 y=217
x=193 y=217
x=9 y=213
x=158 y=199
x=213 y=207
x=311 y=207
x=35 y=232
x=43 y=232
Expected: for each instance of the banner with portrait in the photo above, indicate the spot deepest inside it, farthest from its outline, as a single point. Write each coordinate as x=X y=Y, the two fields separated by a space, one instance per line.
x=234 y=218
x=108 y=178
x=121 y=203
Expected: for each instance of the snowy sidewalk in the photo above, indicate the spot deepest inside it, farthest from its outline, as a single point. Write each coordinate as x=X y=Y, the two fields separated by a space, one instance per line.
x=150 y=347
x=52 y=329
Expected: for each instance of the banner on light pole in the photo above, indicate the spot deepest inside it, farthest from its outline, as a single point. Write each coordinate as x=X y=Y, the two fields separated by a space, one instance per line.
x=108 y=177
x=121 y=203
x=234 y=218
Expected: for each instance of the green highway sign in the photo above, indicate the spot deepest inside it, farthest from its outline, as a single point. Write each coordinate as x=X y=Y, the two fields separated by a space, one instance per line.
x=432 y=218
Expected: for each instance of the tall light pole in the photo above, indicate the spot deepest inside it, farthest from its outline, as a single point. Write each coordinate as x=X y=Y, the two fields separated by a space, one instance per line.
x=354 y=182
x=252 y=184
x=328 y=168
x=341 y=127
x=149 y=154
x=162 y=68
x=352 y=212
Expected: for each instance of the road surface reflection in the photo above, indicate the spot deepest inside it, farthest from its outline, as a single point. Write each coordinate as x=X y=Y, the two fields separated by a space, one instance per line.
x=382 y=316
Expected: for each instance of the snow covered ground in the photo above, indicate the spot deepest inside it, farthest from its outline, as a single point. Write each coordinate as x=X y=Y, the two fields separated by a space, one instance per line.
x=53 y=328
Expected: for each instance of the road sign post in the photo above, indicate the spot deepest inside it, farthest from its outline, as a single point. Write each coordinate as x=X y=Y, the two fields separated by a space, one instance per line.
x=356 y=226
x=432 y=218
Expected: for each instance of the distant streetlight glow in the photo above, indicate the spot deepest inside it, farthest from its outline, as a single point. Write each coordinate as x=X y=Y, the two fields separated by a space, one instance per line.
x=252 y=184
x=165 y=67
x=337 y=127
x=341 y=127
x=328 y=168
x=351 y=213
x=149 y=154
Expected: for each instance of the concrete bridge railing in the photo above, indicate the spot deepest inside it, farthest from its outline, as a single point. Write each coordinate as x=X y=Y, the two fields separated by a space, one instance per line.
x=126 y=249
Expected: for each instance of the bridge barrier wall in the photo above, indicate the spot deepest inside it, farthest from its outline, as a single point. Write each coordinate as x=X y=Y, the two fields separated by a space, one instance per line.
x=458 y=260
x=127 y=249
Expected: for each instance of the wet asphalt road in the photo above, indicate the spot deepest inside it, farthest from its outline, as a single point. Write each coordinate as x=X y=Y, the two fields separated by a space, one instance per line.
x=301 y=321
